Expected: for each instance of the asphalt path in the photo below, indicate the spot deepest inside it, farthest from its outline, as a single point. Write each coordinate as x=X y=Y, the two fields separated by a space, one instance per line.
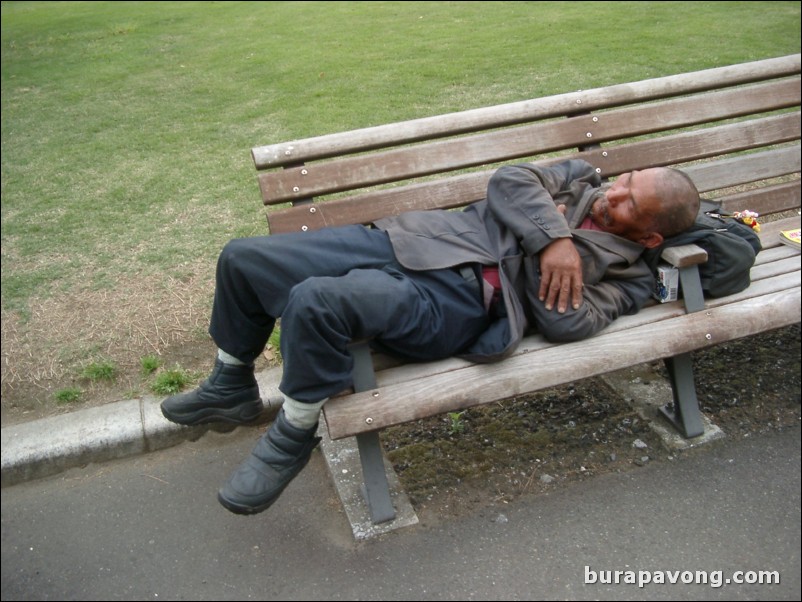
x=150 y=528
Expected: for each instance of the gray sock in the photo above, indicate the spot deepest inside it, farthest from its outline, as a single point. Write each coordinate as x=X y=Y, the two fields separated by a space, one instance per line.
x=229 y=359
x=302 y=415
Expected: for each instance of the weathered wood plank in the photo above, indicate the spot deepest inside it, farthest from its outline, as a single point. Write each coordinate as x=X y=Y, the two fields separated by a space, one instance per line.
x=781 y=267
x=479 y=384
x=378 y=168
x=457 y=191
x=743 y=169
x=765 y=201
x=309 y=149
x=775 y=254
x=364 y=208
x=695 y=145
x=769 y=232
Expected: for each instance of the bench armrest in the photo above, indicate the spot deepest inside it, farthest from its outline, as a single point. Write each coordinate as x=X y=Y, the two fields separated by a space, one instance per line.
x=684 y=255
x=687 y=259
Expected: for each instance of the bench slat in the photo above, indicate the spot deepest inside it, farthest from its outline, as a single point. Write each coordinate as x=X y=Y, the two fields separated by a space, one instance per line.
x=743 y=169
x=368 y=207
x=770 y=231
x=300 y=151
x=767 y=200
x=481 y=384
x=457 y=191
x=774 y=255
x=779 y=267
x=695 y=145
x=407 y=163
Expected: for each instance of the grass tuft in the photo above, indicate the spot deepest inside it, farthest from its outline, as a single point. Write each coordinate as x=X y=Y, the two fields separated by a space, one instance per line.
x=171 y=381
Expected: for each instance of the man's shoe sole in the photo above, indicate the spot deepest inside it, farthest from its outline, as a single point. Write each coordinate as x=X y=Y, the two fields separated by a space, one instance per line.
x=245 y=510
x=242 y=413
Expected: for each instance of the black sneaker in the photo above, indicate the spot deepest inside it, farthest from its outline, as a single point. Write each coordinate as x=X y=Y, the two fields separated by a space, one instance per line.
x=230 y=394
x=277 y=458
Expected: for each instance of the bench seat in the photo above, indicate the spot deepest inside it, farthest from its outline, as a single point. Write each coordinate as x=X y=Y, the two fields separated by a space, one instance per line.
x=414 y=391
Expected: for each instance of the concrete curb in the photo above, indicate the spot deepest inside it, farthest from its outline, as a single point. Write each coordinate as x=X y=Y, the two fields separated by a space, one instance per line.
x=51 y=445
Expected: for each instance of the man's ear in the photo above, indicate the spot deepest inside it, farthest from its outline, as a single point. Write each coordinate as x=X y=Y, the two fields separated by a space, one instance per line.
x=650 y=240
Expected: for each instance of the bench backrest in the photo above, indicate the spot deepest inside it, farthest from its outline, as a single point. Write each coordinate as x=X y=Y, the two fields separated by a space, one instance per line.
x=735 y=130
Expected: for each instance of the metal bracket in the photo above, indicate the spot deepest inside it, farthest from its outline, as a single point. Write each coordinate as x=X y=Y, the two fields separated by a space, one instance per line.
x=376 y=487
x=685 y=414
x=691 y=286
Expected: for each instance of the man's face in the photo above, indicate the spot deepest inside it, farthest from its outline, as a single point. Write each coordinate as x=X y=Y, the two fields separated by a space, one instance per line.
x=627 y=207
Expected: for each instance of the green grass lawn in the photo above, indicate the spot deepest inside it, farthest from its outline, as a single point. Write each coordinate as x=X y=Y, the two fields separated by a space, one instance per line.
x=127 y=126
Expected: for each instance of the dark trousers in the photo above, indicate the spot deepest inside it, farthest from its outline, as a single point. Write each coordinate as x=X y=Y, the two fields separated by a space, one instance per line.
x=331 y=287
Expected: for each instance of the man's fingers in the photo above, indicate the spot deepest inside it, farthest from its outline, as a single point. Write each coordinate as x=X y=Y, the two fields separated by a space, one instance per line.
x=578 y=288
x=565 y=294
x=561 y=291
x=561 y=276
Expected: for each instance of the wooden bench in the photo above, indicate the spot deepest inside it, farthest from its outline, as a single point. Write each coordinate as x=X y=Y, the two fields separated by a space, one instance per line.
x=735 y=130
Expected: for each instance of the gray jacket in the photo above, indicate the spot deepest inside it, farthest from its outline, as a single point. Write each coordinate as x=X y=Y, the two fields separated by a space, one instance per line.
x=508 y=229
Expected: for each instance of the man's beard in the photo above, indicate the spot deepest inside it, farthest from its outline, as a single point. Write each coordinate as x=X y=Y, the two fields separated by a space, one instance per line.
x=598 y=209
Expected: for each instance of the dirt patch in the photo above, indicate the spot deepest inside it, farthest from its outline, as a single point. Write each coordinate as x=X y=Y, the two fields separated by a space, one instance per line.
x=519 y=446
x=47 y=349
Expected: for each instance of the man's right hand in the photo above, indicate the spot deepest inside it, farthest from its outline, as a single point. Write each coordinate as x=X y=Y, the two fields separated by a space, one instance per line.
x=560 y=275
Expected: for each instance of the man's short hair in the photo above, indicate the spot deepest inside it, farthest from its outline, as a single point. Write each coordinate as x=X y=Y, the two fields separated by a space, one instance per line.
x=680 y=202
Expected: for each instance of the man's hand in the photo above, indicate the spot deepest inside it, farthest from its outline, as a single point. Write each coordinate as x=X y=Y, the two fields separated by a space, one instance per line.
x=560 y=274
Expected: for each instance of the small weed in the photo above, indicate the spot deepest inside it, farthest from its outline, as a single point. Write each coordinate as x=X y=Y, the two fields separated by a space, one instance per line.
x=103 y=370
x=69 y=395
x=455 y=422
x=171 y=382
x=149 y=364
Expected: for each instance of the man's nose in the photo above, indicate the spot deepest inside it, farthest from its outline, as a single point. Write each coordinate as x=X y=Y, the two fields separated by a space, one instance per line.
x=615 y=195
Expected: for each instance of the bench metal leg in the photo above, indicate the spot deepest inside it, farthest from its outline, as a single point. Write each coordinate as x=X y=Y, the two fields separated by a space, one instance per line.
x=686 y=416
x=377 y=489
x=692 y=293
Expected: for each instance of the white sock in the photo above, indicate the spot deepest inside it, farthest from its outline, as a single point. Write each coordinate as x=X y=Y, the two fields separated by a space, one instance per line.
x=229 y=359
x=302 y=415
